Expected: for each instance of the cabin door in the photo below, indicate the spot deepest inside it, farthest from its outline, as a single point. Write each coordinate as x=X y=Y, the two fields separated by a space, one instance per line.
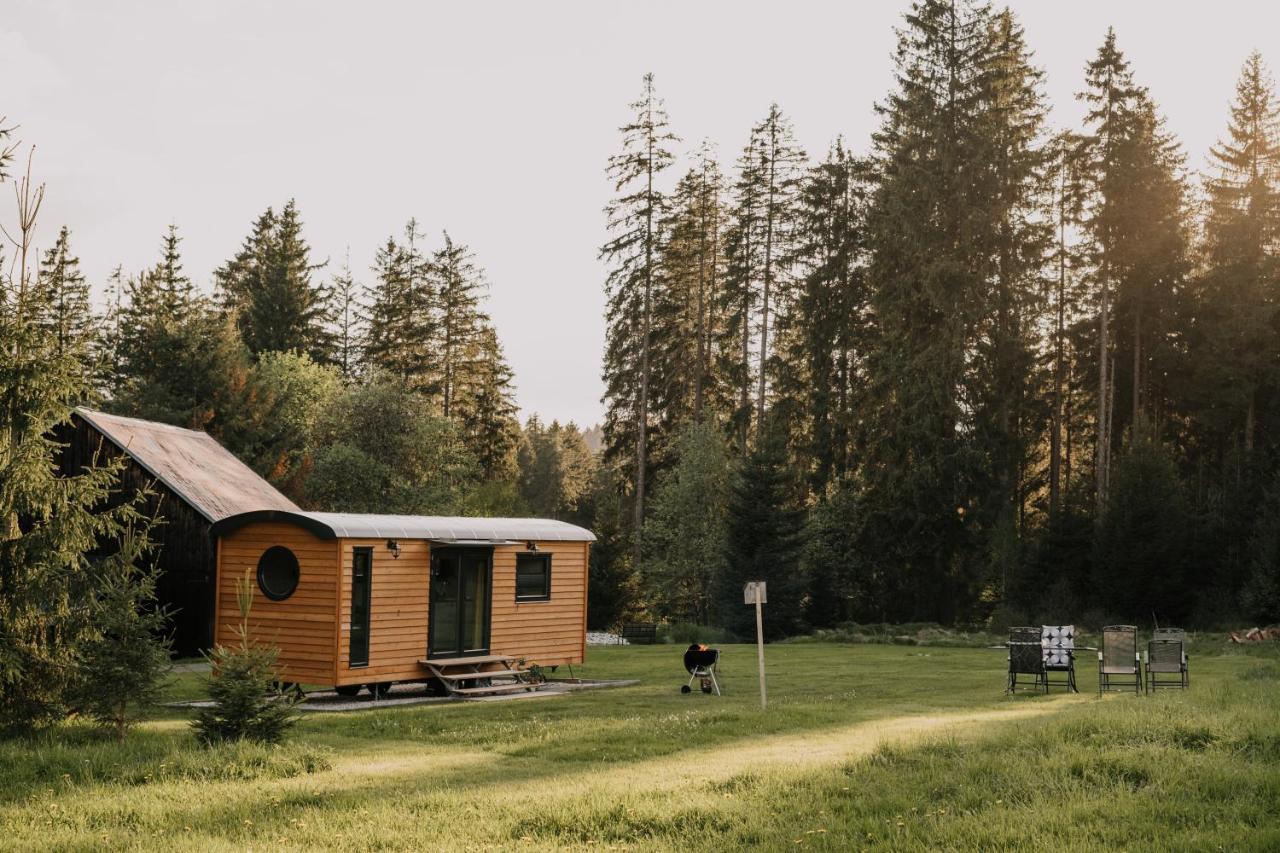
x=458 y=611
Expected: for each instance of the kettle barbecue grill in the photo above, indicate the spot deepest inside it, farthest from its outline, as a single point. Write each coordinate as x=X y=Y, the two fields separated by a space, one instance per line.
x=701 y=663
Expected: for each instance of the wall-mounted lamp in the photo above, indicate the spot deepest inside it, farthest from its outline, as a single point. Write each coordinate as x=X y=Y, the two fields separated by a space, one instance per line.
x=394 y=547
x=532 y=547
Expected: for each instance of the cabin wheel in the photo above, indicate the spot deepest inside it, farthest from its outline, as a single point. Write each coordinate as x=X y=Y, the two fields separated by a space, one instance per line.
x=348 y=689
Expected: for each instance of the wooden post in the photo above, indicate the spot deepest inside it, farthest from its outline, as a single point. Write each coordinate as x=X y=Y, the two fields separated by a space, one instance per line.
x=754 y=593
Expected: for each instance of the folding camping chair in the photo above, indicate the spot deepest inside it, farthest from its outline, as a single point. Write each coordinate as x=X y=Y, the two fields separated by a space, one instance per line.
x=1119 y=658
x=1167 y=654
x=1025 y=657
x=1058 y=644
x=701 y=663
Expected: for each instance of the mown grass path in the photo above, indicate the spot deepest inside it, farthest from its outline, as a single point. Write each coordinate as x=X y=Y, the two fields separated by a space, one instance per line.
x=878 y=747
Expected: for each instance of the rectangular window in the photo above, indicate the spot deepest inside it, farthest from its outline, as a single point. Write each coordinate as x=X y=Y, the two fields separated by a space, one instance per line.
x=361 y=599
x=533 y=577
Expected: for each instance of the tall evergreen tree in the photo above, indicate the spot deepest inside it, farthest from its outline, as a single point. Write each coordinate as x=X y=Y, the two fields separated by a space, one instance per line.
x=765 y=523
x=461 y=324
x=823 y=334
x=347 y=310
x=1134 y=219
x=402 y=326
x=634 y=216
x=49 y=521
x=931 y=229
x=685 y=377
x=269 y=283
x=65 y=298
x=685 y=536
x=759 y=282
x=1239 y=295
x=488 y=414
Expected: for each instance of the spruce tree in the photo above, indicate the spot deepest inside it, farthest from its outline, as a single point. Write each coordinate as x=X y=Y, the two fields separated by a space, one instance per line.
x=65 y=295
x=49 y=521
x=930 y=231
x=685 y=535
x=177 y=359
x=634 y=216
x=279 y=308
x=347 y=310
x=685 y=379
x=121 y=669
x=823 y=333
x=764 y=541
x=488 y=414
x=461 y=323
x=402 y=326
x=1134 y=219
x=759 y=282
x=1238 y=296
x=1004 y=380
x=778 y=172
x=738 y=295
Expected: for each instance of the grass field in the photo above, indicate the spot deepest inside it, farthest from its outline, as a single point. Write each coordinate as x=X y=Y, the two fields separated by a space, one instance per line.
x=863 y=747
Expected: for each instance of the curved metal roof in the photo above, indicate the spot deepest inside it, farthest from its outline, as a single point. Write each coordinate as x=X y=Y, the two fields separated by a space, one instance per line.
x=347 y=525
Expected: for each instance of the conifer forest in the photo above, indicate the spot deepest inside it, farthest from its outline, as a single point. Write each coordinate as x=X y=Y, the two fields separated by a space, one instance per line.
x=975 y=369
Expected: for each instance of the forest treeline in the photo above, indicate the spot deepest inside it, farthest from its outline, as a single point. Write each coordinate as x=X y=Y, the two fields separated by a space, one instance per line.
x=989 y=369
x=985 y=370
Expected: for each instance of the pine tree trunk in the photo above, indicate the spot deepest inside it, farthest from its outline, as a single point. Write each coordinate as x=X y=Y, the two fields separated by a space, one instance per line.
x=1055 y=436
x=768 y=277
x=1104 y=420
x=642 y=413
x=1137 y=368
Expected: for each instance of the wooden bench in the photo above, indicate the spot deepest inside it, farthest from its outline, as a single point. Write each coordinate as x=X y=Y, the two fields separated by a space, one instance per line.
x=640 y=633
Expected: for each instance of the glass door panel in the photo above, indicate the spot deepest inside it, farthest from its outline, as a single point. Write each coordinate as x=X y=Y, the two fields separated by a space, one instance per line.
x=443 y=618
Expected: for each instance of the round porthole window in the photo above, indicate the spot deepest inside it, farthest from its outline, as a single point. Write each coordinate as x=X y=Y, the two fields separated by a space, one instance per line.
x=277 y=573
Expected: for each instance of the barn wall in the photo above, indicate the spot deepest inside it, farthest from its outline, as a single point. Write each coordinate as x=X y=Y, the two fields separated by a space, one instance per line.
x=303 y=626
x=186 y=554
x=544 y=632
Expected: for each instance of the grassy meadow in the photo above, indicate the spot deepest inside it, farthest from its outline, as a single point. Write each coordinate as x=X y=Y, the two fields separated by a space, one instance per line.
x=863 y=747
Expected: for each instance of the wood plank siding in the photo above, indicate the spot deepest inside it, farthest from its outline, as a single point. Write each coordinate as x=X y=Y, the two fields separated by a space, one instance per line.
x=312 y=627
x=547 y=632
x=303 y=625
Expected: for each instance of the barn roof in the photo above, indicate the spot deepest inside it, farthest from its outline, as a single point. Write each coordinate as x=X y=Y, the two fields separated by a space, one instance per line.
x=345 y=525
x=192 y=465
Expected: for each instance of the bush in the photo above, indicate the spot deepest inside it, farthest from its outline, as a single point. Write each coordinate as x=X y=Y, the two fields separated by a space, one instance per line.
x=121 y=670
x=247 y=705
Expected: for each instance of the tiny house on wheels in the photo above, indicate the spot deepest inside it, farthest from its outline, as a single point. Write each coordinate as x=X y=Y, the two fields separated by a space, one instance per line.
x=350 y=600
x=369 y=600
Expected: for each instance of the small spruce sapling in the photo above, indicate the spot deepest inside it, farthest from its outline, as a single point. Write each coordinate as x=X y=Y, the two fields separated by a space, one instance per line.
x=122 y=669
x=247 y=705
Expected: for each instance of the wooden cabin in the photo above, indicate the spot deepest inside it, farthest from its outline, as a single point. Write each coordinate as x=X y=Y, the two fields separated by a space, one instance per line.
x=354 y=600
x=194 y=483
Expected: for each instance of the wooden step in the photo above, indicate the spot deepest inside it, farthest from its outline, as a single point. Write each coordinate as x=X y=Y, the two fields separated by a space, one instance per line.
x=492 y=673
x=497 y=688
x=473 y=661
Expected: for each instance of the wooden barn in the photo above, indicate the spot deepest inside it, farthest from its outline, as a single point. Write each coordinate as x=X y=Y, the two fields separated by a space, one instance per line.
x=196 y=482
x=369 y=600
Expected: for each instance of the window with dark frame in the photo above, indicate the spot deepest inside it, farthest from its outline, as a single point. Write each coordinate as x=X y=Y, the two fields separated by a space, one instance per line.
x=361 y=599
x=533 y=577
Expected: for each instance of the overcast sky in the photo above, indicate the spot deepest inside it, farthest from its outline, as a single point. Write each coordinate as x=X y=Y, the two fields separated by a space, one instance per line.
x=493 y=120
